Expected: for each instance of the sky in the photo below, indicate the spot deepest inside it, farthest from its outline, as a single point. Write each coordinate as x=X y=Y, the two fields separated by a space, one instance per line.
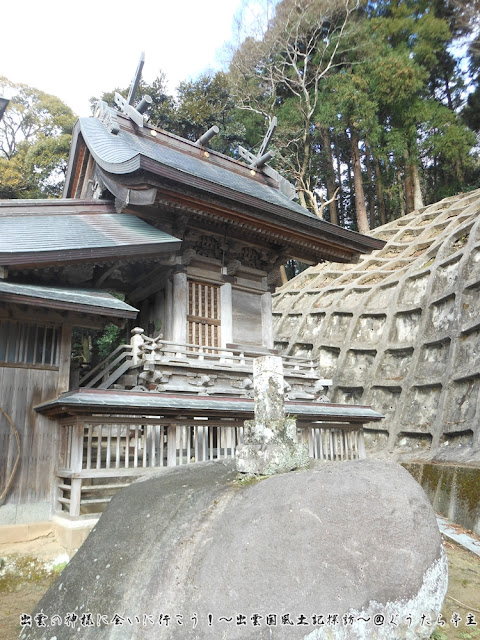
x=76 y=50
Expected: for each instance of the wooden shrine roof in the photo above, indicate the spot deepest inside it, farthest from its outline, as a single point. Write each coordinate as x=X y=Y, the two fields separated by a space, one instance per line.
x=145 y=403
x=171 y=156
x=79 y=300
x=48 y=232
x=211 y=184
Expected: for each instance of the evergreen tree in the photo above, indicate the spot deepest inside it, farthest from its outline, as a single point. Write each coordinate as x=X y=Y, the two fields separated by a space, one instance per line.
x=35 y=136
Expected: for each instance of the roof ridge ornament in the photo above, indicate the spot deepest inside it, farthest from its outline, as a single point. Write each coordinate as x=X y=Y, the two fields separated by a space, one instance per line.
x=260 y=160
x=136 y=114
x=207 y=136
x=268 y=137
x=107 y=116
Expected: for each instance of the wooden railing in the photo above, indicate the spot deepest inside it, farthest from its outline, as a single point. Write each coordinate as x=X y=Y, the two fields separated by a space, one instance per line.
x=149 y=353
x=99 y=458
x=109 y=370
x=130 y=446
x=335 y=442
x=157 y=350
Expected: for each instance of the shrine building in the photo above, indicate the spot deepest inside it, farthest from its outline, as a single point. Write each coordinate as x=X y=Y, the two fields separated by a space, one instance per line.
x=194 y=241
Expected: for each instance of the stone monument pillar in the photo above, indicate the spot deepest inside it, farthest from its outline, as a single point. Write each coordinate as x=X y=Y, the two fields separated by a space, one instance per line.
x=270 y=440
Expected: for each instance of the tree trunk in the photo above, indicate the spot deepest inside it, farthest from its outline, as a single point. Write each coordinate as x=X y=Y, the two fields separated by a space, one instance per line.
x=330 y=177
x=413 y=193
x=371 y=187
x=400 y=193
x=351 y=195
x=360 y=208
x=382 y=214
x=306 y=194
x=417 y=192
x=301 y=197
x=409 y=187
x=448 y=93
x=459 y=169
x=339 y=179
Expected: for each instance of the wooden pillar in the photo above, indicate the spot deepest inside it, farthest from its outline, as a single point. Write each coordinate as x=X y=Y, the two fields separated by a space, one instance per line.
x=159 y=314
x=76 y=468
x=267 y=322
x=226 y=314
x=180 y=304
x=64 y=359
x=167 y=330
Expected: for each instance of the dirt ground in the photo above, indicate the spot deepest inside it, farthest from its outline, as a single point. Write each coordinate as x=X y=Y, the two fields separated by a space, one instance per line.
x=463 y=596
x=28 y=569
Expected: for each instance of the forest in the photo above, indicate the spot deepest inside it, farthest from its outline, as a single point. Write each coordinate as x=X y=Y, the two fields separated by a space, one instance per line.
x=378 y=107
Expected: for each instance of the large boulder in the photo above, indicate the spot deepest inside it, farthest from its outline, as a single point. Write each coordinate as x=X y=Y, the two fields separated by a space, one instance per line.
x=340 y=550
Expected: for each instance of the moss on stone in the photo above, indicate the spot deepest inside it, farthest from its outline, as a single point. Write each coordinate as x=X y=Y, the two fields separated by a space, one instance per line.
x=16 y=570
x=468 y=487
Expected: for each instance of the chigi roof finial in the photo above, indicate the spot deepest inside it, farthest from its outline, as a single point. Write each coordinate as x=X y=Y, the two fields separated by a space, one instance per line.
x=126 y=105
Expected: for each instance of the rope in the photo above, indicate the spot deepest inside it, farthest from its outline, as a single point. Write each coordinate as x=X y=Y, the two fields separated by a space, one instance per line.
x=14 y=470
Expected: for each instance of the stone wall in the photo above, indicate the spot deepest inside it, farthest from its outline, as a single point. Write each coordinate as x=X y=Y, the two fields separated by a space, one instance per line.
x=400 y=330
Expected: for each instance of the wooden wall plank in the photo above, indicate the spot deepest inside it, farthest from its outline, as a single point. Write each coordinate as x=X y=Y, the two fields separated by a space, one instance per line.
x=20 y=390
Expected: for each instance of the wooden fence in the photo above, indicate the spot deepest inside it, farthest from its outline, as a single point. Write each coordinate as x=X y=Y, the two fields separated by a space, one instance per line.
x=100 y=457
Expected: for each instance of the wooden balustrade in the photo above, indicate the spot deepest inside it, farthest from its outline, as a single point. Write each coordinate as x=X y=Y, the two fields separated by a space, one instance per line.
x=153 y=352
x=159 y=350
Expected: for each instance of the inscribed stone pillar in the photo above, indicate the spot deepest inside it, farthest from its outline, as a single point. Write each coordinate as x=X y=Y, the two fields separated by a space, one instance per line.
x=180 y=302
x=270 y=440
x=269 y=396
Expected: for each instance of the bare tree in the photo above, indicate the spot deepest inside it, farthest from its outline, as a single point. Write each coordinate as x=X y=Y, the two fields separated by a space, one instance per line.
x=284 y=67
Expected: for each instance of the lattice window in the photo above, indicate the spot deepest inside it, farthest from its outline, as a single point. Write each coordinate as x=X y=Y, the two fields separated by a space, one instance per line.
x=28 y=343
x=203 y=314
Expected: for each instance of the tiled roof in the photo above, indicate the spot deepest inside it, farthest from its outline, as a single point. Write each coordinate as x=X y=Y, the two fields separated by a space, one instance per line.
x=83 y=300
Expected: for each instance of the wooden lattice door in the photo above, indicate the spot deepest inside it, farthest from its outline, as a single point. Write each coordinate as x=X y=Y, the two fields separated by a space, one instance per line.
x=203 y=314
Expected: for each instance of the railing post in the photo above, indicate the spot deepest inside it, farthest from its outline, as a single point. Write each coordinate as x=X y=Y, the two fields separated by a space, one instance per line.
x=362 y=454
x=158 y=348
x=171 y=446
x=136 y=341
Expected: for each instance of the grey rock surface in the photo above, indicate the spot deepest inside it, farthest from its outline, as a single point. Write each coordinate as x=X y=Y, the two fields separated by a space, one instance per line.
x=355 y=538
